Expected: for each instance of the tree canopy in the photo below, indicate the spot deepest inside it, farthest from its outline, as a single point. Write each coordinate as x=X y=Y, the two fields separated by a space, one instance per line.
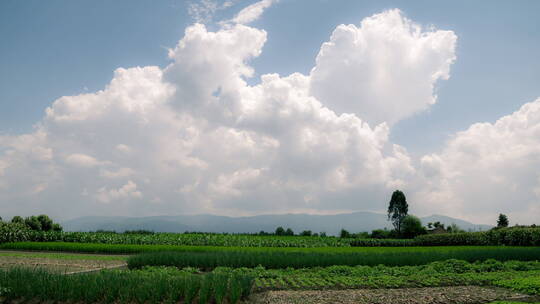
x=397 y=209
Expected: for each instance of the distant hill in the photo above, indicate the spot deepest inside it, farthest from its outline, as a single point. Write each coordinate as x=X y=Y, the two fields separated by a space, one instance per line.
x=331 y=224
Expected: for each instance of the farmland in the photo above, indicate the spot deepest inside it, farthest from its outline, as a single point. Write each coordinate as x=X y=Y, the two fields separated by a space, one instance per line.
x=216 y=268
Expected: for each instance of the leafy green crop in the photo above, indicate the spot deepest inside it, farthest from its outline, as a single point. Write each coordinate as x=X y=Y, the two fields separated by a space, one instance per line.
x=511 y=274
x=191 y=239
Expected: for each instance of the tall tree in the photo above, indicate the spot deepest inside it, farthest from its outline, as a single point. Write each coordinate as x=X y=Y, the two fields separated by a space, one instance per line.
x=502 y=221
x=397 y=209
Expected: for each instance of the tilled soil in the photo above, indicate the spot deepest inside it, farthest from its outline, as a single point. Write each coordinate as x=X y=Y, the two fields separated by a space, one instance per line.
x=433 y=295
x=58 y=265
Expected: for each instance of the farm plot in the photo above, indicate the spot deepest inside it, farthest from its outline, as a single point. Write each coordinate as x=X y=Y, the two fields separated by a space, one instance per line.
x=436 y=295
x=306 y=258
x=59 y=263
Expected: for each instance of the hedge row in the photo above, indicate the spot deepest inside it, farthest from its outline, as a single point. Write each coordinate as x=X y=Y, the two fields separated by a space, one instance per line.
x=495 y=237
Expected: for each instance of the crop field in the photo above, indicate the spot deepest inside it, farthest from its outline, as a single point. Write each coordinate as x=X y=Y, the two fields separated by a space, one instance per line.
x=213 y=268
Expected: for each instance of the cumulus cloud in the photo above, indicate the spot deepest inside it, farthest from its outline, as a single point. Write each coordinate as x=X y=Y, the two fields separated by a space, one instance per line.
x=488 y=168
x=127 y=191
x=194 y=137
x=384 y=70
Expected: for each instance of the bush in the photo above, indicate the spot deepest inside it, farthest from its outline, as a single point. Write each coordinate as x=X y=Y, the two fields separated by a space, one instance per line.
x=382 y=234
x=412 y=227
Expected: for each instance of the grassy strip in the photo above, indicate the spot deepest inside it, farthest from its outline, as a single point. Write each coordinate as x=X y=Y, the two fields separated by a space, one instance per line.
x=133 y=249
x=124 y=287
x=284 y=259
x=63 y=256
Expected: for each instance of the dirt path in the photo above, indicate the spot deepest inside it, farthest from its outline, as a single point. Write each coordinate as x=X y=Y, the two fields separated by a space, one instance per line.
x=435 y=295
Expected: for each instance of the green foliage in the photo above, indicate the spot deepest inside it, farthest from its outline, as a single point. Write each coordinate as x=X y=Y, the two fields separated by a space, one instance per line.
x=33 y=223
x=280 y=231
x=503 y=236
x=382 y=242
x=144 y=286
x=140 y=231
x=289 y=232
x=443 y=273
x=530 y=285
x=397 y=209
x=412 y=227
x=310 y=258
x=191 y=239
x=381 y=234
x=45 y=221
x=13 y=232
x=41 y=222
x=17 y=219
x=502 y=221
x=306 y=233
x=344 y=234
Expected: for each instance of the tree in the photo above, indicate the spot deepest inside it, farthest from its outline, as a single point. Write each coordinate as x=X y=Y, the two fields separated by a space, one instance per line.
x=17 y=219
x=502 y=221
x=305 y=233
x=344 y=234
x=397 y=209
x=45 y=221
x=289 y=232
x=56 y=227
x=280 y=231
x=411 y=227
x=33 y=223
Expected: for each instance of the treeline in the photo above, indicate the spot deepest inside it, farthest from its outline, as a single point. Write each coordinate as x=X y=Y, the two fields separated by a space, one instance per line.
x=21 y=229
x=41 y=222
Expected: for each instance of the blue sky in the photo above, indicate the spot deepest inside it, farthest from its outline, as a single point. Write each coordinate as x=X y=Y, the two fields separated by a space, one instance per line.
x=56 y=48
x=51 y=49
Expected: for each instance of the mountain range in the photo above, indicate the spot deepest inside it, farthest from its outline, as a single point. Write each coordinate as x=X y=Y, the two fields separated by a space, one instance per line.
x=331 y=224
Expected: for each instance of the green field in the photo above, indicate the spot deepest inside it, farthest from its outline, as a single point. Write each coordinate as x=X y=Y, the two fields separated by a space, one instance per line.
x=214 y=268
x=390 y=256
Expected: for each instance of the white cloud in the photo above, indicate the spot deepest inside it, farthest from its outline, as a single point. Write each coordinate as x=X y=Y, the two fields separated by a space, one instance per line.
x=127 y=191
x=488 y=169
x=195 y=137
x=252 y=12
x=82 y=160
x=383 y=71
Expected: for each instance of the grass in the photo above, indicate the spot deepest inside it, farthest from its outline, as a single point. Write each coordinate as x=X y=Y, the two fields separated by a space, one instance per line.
x=313 y=258
x=154 y=286
x=136 y=248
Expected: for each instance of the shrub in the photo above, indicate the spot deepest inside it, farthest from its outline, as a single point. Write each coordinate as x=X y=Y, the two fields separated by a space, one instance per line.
x=412 y=227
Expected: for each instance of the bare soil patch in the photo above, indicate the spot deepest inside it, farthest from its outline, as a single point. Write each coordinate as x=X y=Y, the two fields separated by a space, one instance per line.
x=434 y=295
x=58 y=264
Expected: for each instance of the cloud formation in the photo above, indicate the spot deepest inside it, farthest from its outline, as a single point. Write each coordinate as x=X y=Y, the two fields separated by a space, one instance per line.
x=488 y=167
x=194 y=137
x=384 y=70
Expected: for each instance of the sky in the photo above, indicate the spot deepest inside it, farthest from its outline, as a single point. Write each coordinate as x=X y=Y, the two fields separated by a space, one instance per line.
x=253 y=107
